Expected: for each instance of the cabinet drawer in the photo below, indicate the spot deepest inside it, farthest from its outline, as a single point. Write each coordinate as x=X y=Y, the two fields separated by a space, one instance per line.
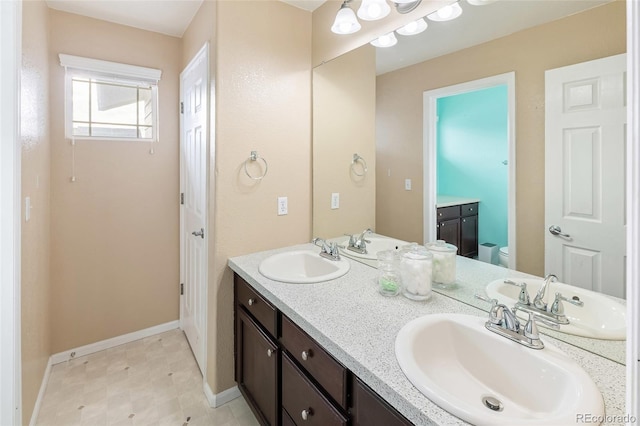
x=330 y=374
x=255 y=304
x=303 y=401
x=469 y=209
x=445 y=213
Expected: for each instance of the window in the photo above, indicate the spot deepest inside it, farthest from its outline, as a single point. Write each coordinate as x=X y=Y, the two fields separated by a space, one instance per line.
x=107 y=100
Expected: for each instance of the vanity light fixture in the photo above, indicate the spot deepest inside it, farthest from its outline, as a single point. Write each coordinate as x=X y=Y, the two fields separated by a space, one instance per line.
x=346 y=21
x=372 y=10
x=412 y=28
x=386 y=40
x=480 y=2
x=447 y=13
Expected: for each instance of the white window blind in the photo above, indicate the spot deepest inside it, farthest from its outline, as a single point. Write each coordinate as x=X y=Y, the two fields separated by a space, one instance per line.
x=108 y=100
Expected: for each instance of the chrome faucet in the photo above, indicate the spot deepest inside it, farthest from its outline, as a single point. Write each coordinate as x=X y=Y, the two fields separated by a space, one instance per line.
x=538 y=301
x=553 y=312
x=359 y=244
x=327 y=250
x=503 y=321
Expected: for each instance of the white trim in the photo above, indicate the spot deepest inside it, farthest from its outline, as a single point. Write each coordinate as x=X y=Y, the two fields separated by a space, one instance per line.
x=43 y=387
x=108 y=67
x=216 y=400
x=10 y=212
x=113 y=342
x=633 y=208
x=430 y=99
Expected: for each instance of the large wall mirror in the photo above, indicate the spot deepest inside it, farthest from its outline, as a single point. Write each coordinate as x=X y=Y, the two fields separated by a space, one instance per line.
x=370 y=102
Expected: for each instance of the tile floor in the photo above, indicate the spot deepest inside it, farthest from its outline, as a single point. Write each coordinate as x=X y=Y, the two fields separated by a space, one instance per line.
x=152 y=381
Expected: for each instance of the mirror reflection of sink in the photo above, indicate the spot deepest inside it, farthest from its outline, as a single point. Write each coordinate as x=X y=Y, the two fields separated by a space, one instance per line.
x=599 y=318
x=466 y=369
x=376 y=244
x=302 y=267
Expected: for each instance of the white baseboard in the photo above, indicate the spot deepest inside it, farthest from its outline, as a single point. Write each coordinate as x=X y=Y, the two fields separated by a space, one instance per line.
x=216 y=400
x=43 y=388
x=113 y=342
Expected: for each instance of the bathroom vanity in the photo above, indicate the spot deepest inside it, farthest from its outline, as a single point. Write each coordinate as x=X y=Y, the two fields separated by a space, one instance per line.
x=323 y=353
x=457 y=223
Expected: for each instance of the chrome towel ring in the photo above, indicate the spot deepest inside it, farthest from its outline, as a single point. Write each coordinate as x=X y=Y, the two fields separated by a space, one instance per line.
x=254 y=157
x=356 y=159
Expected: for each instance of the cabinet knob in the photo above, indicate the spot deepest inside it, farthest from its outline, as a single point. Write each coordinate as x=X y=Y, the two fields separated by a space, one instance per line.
x=269 y=353
x=306 y=413
x=251 y=302
x=306 y=355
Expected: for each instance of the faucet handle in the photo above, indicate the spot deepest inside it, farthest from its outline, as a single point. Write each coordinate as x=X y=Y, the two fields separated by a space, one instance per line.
x=496 y=313
x=558 y=308
x=494 y=302
x=524 y=294
x=530 y=328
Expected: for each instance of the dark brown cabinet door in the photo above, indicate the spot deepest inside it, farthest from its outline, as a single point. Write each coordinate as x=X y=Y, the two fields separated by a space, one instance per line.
x=449 y=230
x=257 y=368
x=469 y=236
x=371 y=410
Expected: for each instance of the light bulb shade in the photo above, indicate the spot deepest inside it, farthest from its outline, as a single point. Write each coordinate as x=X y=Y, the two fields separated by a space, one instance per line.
x=446 y=13
x=372 y=10
x=415 y=27
x=386 y=40
x=346 y=21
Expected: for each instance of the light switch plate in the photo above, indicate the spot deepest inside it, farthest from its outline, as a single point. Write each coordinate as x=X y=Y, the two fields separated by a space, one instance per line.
x=27 y=209
x=335 y=200
x=283 y=207
x=407 y=184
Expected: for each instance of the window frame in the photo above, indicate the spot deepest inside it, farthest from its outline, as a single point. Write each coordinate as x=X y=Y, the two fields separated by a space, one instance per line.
x=109 y=72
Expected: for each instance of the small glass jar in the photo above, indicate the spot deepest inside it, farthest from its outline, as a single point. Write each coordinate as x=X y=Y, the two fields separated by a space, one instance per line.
x=388 y=272
x=444 y=263
x=415 y=271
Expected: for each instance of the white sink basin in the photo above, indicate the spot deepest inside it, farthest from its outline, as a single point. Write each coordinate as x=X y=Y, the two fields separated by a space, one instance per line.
x=375 y=245
x=456 y=362
x=302 y=267
x=599 y=318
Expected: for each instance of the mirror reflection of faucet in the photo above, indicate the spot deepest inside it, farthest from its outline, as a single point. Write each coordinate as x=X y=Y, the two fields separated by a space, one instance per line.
x=553 y=311
x=359 y=244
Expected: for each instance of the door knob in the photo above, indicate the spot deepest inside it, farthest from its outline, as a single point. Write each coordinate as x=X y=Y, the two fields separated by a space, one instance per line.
x=199 y=233
x=556 y=230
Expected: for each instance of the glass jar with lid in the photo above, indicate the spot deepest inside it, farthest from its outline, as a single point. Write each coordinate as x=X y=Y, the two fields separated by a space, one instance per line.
x=415 y=271
x=388 y=272
x=444 y=263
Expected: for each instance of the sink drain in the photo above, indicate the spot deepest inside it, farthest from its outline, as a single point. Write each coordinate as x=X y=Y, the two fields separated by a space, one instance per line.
x=492 y=403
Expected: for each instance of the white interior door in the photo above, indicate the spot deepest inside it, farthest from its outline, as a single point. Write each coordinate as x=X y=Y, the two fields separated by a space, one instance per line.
x=194 y=233
x=585 y=131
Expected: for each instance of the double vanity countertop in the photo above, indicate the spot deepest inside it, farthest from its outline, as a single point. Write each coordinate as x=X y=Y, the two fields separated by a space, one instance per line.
x=358 y=327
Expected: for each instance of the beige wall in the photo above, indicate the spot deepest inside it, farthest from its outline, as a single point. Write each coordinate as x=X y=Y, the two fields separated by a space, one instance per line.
x=115 y=231
x=344 y=114
x=36 y=153
x=589 y=35
x=263 y=103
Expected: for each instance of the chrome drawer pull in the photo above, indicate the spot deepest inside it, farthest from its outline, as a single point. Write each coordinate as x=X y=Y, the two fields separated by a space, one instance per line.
x=269 y=353
x=251 y=302
x=306 y=413
x=306 y=354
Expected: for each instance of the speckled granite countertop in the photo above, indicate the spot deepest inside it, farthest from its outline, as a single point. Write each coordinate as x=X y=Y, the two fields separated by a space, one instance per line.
x=452 y=200
x=358 y=327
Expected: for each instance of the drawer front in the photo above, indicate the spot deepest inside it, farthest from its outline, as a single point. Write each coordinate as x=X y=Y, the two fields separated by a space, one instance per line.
x=445 y=213
x=255 y=304
x=303 y=401
x=469 y=209
x=330 y=374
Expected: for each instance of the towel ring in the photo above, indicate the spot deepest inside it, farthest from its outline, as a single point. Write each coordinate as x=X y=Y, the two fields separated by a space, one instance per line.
x=357 y=158
x=254 y=157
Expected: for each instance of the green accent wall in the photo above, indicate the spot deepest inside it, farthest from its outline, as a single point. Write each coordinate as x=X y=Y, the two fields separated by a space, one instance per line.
x=472 y=144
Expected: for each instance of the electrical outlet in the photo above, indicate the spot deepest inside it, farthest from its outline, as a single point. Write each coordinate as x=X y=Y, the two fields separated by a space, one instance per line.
x=335 y=200
x=407 y=184
x=283 y=207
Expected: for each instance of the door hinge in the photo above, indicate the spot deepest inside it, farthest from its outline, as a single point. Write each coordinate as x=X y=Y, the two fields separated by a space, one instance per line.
x=182 y=198
x=181 y=107
x=181 y=289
